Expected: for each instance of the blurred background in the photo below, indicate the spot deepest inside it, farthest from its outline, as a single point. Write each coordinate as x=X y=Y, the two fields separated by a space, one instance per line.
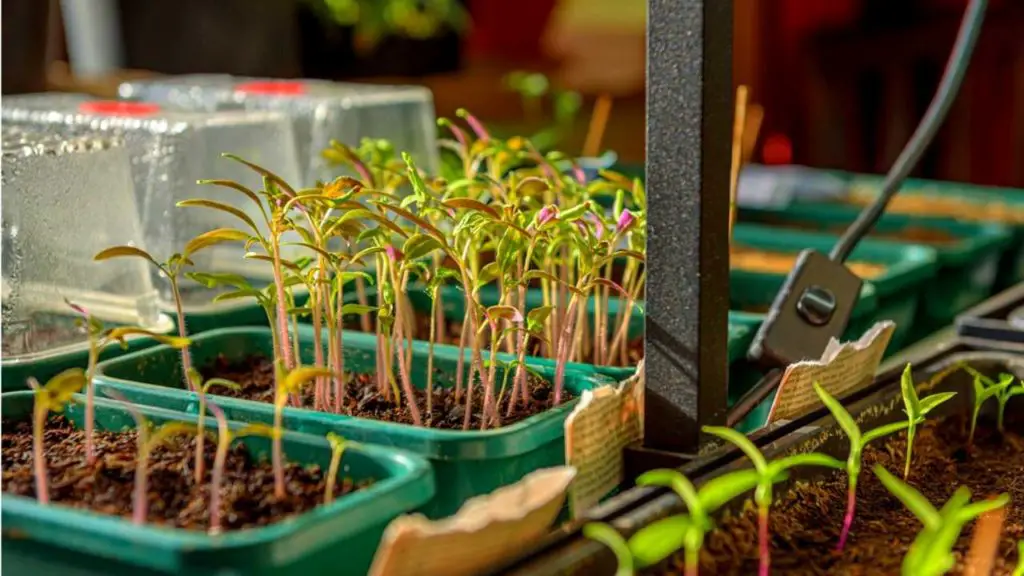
x=842 y=82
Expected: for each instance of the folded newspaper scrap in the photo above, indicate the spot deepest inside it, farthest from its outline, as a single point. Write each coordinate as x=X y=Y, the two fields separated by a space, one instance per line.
x=842 y=369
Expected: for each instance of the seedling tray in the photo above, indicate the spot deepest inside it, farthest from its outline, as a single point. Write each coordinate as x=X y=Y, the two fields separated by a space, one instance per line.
x=568 y=552
x=1011 y=268
x=14 y=374
x=998 y=320
x=466 y=464
x=339 y=538
x=968 y=253
x=908 y=271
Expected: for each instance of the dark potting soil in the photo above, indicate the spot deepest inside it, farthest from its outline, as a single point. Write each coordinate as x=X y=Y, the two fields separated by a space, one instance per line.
x=805 y=522
x=175 y=500
x=255 y=376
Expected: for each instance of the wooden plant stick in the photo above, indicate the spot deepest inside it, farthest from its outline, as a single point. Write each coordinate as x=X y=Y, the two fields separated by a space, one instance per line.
x=738 y=125
x=985 y=543
x=598 y=123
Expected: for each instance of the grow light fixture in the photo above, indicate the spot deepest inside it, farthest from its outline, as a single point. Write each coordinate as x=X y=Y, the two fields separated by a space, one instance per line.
x=815 y=303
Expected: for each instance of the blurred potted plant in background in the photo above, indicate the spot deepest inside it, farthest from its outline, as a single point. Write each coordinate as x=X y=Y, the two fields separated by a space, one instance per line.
x=367 y=38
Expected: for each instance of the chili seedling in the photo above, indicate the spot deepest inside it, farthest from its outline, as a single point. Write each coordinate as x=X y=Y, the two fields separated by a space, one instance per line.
x=769 y=473
x=858 y=441
x=916 y=409
x=931 y=553
x=610 y=537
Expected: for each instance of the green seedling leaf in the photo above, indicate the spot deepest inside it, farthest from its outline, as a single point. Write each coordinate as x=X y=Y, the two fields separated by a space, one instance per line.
x=884 y=430
x=234 y=186
x=797 y=460
x=167 y=431
x=267 y=174
x=59 y=390
x=743 y=443
x=419 y=245
x=911 y=498
x=843 y=418
x=259 y=429
x=125 y=251
x=1019 y=571
x=357 y=309
x=412 y=218
x=605 y=534
x=720 y=490
x=222 y=207
x=929 y=403
x=300 y=311
x=659 y=540
x=910 y=400
x=212 y=280
x=237 y=294
x=121 y=333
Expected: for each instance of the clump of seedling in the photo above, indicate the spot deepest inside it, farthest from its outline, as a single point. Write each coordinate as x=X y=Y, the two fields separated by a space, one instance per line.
x=986 y=388
x=768 y=474
x=202 y=388
x=99 y=339
x=858 y=441
x=916 y=409
x=337 y=450
x=659 y=540
x=610 y=537
x=52 y=397
x=509 y=221
x=931 y=553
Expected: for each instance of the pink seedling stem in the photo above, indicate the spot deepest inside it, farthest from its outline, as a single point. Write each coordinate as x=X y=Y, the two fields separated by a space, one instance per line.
x=851 y=503
x=219 y=461
x=762 y=543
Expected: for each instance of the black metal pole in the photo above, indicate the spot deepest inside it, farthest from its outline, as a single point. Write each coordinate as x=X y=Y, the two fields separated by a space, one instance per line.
x=689 y=127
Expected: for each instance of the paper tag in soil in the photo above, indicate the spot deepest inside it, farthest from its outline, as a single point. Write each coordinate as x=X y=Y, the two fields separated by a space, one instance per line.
x=487 y=530
x=605 y=421
x=842 y=369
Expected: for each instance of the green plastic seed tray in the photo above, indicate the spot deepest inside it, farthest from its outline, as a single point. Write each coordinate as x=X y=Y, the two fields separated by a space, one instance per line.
x=968 y=253
x=466 y=463
x=339 y=538
x=982 y=204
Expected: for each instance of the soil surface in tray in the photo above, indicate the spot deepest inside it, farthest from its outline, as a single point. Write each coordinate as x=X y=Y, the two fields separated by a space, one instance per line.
x=805 y=522
x=950 y=207
x=247 y=492
x=753 y=260
x=255 y=376
x=916 y=234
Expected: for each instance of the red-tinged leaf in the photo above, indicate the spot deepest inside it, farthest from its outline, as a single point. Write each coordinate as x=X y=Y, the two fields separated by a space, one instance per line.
x=263 y=257
x=378 y=218
x=422 y=223
x=503 y=312
x=240 y=188
x=214 y=237
x=265 y=173
x=419 y=245
x=125 y=251
x=227 y=208
x=471 y=204
x=611 y=284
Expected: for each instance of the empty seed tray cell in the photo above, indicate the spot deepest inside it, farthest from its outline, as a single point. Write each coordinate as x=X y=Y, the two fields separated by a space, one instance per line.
x=64 y=199
x=321 y=111
x=169 y=151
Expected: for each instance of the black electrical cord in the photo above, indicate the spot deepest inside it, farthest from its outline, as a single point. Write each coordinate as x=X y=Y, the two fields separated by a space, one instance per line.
x=949 y=86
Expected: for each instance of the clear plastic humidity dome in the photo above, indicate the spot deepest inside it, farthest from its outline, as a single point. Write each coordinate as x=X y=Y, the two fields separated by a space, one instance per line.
x=52 y=227
x=321 y=111
x=170 y=150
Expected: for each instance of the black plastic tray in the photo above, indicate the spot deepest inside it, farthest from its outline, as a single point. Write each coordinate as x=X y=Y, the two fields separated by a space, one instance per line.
x=989 y=321
x=566 y=551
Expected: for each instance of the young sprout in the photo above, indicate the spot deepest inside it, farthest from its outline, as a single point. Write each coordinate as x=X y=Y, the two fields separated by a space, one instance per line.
x=337 y=450
x=98 y=340
x=931 y=553
x=201 y=389
x=292 y=383
x=659 y=540
x=224 y=438
x=1008 y=390
x=610 y=537
x=858 y=441
x=916 y=409
x=768 y=474
x=172 y=268
x=50 y=398
x=985 y=388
